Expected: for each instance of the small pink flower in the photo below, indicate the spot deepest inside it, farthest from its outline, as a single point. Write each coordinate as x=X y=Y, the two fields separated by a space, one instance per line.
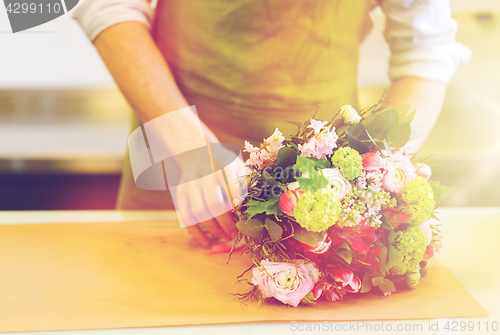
x=439 y=243
x=429 y=252
x=403 y=151
x=399 y=172
x=423 y=170
x=287 y=282
x=322 y=143
x=317 y=126
x=267 y=153
x=321 y=247
x=289 y=199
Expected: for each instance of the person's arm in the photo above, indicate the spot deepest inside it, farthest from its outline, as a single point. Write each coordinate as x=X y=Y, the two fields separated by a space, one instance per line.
x=119 y=30
x=424 y=56
x=426 y=96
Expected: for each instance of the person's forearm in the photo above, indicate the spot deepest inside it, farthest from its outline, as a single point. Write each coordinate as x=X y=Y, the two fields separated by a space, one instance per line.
x=144 y=77
x=426 y=96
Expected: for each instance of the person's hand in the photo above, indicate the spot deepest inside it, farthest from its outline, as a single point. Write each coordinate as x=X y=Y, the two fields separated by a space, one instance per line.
x=202 y=198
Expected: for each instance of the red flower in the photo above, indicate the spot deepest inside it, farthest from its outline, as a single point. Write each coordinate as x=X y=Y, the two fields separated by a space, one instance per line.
x=289 y=199
x=369 y=259
x=336 y=284
x=396 y=216
x=360 y=237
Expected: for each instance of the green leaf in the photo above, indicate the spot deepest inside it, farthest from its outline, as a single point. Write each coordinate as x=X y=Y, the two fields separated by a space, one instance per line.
x=403 y=110
x=309 y=299
x=377 y=281
x=315 y=181
x=393 y=256
x=386 y=224
x=408 y=118
x=358 y=138
x=275 y=231
x=440 y=191
x=252 y=228
x=269 y=179
x=270 y=207
x=286 y=157
x=382 y=260
x=383 y=123
x=366 y=284
x=391 y=236
x=361 y=146
x=433 y=216
x=369 y=119
x=399 y=136
x=344 y=252
x=305 y=236
x=387 y=286
x=320 y=163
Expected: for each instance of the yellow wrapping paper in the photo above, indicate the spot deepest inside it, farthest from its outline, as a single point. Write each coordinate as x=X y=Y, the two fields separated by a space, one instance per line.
x=146 y=274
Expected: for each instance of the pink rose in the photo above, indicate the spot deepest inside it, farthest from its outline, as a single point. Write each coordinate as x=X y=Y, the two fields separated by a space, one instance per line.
x=321 y=247
x=289 y=199
x=400 y=171
x=423 y=170
x=287 y=282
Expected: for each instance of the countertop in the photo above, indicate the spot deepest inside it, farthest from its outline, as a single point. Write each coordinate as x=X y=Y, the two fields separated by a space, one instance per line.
x=470 y=248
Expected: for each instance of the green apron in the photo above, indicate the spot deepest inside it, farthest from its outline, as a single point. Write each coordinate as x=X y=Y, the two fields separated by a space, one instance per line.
x=249 y=66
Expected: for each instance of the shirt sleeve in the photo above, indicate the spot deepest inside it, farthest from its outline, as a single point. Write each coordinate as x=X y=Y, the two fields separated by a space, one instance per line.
x=96 y=15
x=421 y=37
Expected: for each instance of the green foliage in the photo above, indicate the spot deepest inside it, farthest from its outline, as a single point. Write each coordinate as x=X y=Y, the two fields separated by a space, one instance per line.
x=382 y=124
x=345 y=252
x=366 y=283
x=404 y=116
x=384 y=284
x=440 y=192
x=270 y=207
x=309 y=299
x=286 y=157
x=252 y=228
x=391 y=125
x=399 y=136
x=307 y=237
x=275 y=231
x=316 y=180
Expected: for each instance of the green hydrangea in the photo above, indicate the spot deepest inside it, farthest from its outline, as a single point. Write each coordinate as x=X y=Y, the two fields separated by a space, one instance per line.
x=411 y=244
x=317 y=211
x=349 y=161
x=418 y=196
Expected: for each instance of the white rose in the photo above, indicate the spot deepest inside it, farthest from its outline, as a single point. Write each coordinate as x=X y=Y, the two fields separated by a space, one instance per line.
x=337 y=182
x=426 y=229
x=349 y=114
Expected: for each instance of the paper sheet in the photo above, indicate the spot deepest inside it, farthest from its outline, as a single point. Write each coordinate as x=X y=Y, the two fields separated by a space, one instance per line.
x=146 y=274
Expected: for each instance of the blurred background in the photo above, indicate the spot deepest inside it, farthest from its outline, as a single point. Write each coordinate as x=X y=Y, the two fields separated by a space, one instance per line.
x=64 y=124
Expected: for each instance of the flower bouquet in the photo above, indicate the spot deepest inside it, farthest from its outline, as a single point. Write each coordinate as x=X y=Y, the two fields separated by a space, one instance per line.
x=338 y=208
